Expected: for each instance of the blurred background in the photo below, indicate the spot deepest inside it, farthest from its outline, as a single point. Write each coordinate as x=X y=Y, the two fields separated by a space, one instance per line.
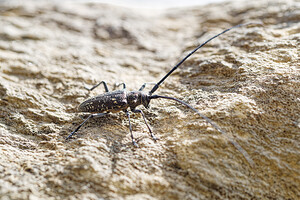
x=158 y=4
x=155 y=4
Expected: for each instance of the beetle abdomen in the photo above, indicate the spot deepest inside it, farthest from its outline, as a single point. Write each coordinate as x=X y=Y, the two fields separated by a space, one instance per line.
x=107 y=102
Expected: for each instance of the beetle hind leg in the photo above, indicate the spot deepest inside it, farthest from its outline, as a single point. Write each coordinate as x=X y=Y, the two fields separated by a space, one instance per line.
x=90 y=116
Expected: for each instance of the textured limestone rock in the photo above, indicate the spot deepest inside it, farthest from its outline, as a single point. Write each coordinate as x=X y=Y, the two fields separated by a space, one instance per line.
x=247 y=81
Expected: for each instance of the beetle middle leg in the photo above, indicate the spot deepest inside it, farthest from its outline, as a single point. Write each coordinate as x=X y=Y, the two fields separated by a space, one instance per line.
x=90 y=116
x=151 y=133
x=130 y=128
x=118 y=84
x=104 y=84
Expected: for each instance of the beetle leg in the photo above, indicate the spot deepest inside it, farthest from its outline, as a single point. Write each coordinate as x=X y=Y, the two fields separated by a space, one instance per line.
x=140 y=111
x=104 y=84
x=144 y=85
x=118 y=84
x=132 y=138
x=90 y=116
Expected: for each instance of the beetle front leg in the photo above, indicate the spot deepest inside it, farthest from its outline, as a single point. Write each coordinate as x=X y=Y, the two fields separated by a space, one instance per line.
x=90 y=116
x=140 y=111
x=132 y=138
x=144 y=85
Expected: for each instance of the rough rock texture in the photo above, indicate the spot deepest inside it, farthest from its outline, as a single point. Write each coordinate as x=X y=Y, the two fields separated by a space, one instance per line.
x=247 y=81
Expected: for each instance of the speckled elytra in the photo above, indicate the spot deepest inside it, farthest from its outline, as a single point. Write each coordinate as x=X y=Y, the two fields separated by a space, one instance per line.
x=121 y=100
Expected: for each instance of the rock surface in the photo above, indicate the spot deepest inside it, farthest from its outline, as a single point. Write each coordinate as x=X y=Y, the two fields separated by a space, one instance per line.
x=247 y=81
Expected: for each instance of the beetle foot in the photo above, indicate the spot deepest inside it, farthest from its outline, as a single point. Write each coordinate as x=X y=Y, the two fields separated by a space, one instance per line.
x=135 y=144
x=69 y=136
x=154 y=138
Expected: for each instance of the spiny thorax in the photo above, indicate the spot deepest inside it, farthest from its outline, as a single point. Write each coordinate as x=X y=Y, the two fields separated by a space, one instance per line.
x=136 y=98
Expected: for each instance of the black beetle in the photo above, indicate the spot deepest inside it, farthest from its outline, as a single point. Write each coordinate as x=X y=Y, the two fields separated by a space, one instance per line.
x=121 y=100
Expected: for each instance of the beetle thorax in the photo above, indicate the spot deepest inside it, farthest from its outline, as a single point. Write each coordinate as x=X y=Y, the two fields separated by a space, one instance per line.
x=136 y=98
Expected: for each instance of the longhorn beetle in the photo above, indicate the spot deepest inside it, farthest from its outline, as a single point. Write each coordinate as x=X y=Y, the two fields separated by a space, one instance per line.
x=121 y=100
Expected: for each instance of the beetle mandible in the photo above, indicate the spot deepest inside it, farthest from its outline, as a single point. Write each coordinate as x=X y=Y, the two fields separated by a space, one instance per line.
x=121 y=100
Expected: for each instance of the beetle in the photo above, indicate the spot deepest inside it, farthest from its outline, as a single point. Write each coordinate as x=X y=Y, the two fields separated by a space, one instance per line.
x=122 y=100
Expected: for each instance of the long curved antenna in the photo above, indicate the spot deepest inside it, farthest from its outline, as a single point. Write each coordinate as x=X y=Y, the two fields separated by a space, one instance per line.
x=237 y=146
x=198 y=47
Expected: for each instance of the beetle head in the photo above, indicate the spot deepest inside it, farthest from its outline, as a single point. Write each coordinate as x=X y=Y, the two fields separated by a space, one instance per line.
x=145 y=99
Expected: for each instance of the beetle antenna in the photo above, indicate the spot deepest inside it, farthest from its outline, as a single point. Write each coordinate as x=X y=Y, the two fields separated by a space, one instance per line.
x=233 y=142
x=186 y=57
